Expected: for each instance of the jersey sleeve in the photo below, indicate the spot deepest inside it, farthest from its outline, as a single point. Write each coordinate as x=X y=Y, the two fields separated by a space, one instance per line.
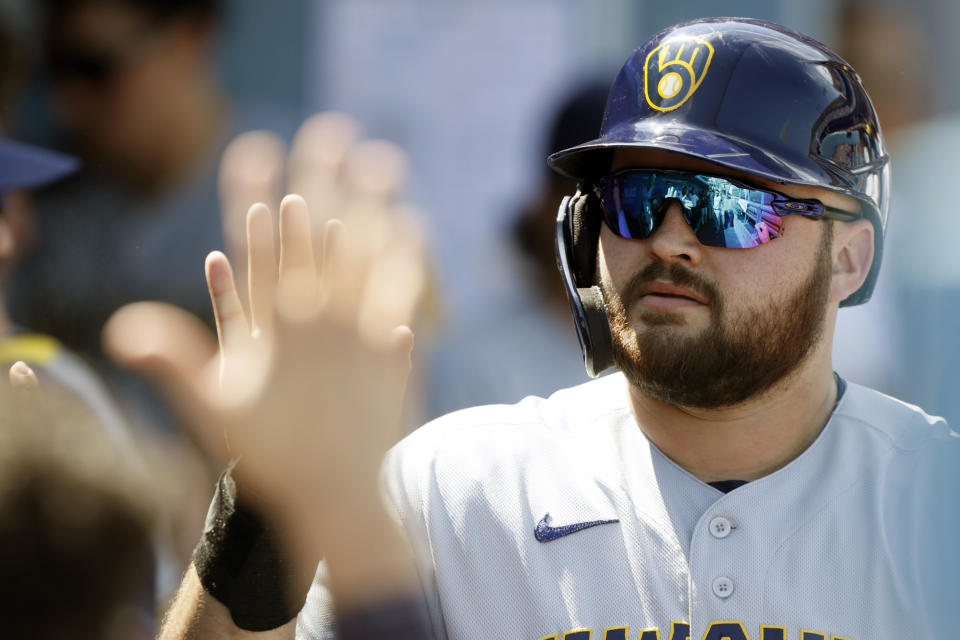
x=406 y=493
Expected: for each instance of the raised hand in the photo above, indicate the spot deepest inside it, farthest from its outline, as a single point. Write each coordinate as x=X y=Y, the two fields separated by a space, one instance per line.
x=336 y=172
x=309 y=384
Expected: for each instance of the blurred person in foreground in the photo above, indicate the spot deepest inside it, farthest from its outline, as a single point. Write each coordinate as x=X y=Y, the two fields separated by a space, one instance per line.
x=724 y=484
x=81 y=513
x=77 y=521
x=306 y=305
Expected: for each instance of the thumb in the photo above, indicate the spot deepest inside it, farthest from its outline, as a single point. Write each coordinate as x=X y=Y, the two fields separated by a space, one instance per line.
x=177 y=352
x=22 y=378
x=401 y=344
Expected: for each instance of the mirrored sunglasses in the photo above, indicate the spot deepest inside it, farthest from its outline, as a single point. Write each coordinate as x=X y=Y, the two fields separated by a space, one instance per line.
x=722 y=212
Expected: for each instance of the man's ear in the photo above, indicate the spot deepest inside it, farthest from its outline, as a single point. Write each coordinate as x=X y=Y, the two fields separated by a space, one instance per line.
x=852 y=257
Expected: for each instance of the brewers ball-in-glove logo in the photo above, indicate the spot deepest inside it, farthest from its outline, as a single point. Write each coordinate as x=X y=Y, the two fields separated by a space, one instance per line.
x=674 y=70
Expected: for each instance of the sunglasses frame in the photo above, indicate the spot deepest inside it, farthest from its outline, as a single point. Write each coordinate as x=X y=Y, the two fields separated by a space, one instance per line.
x=782 y=204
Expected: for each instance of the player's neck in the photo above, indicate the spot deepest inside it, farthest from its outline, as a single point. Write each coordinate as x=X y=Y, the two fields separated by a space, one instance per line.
x=750 y=440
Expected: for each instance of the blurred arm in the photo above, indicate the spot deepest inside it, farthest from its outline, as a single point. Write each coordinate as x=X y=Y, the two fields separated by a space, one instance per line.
x=307 y=392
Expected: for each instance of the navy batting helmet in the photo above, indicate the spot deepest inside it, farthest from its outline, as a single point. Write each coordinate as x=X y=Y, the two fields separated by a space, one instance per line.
x=741 y=93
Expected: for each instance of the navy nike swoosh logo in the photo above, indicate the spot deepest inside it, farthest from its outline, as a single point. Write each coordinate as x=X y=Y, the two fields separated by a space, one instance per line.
x=545 y=533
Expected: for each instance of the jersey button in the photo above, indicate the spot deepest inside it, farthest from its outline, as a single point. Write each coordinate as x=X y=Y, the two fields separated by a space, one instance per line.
x=722 y=587
x=720 y=527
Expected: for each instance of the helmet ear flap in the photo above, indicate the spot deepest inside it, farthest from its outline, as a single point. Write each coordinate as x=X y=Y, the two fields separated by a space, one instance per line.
x=585 y=224
x=578 y=233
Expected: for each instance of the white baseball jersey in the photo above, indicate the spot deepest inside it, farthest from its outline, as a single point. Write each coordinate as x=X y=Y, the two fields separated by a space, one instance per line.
x=557 y=519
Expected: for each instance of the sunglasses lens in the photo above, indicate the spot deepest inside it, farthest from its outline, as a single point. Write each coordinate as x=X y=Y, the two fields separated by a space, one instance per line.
x=721 y=212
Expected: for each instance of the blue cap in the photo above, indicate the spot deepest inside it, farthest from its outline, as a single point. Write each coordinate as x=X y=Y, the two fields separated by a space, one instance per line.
x=24 y=166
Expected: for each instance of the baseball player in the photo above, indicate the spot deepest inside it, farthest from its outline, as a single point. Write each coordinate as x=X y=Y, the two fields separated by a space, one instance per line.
x=725 y=484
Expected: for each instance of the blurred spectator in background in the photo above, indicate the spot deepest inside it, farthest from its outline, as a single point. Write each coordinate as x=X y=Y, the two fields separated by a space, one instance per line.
x=13 y=69
x=24 y=167
x=887 y=46
x=134 y=89
x=923 y=256
x=133 y=86
x=908 y=345
x=529 y=348
x=886 y=49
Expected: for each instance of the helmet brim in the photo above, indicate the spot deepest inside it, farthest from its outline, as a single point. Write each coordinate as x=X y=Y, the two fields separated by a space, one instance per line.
x=593 y=159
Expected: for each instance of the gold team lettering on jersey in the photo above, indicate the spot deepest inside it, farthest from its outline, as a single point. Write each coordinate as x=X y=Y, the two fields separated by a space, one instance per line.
x=720 y=630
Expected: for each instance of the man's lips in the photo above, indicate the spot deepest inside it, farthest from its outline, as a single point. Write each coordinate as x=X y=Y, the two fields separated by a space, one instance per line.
x=661 y=293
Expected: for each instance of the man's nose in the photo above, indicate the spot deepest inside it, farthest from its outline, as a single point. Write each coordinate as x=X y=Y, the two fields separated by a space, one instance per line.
x=674 y=238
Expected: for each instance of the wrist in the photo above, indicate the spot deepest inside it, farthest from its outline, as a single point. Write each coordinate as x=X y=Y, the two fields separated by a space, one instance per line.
x=242 y=562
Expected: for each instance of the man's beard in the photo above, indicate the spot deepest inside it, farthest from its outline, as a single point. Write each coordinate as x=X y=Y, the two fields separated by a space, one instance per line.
x=732 y=360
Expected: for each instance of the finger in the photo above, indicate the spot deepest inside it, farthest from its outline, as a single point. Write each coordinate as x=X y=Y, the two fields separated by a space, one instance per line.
x=262 y=267
x=376 y=170
x=175 y=350
x=251 y=170
x=393 y=292
x=400 y=346
x=316 y=161
x=323 y=140
x=232 y=328
x=401 y=342
x=296 y=241
x=343 y=274
x=298 y=304
x=319 y=148
x=22 y=378
x=374 y=173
